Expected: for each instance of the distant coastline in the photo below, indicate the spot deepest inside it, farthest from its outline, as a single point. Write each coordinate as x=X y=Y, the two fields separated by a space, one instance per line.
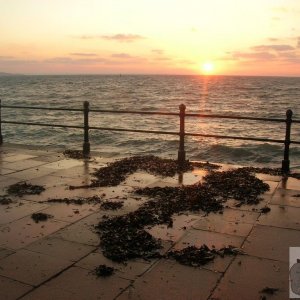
x=9 y=74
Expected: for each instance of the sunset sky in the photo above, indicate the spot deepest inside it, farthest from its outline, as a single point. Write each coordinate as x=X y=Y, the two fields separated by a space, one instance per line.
x=231 y=37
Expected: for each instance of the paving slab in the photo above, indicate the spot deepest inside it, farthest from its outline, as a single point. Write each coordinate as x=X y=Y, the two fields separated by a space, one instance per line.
x=64 y=164
x=70 y=212
x=5 y=171
x=286 y=197
x=290 y=184
x=281 y=216
x=169 y=280
x=247 y=276
x=31 y=268
x=5 y=252
x=181 y=223
x=11 y=289
x=271 y=242
x=17 y=157
x=24 y=164
x=85 y=285
x=49 y=293
x=129 y=270
x=82 y=231
x=22 y=232
x=28 y=174
x=18 y=209
x=217 y=223
x=60 y=248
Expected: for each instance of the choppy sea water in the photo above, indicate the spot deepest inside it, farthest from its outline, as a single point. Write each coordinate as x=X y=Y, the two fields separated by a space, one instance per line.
x=230 y=95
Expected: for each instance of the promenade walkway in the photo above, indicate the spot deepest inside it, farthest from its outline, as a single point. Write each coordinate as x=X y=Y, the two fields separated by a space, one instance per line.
x=55 y=259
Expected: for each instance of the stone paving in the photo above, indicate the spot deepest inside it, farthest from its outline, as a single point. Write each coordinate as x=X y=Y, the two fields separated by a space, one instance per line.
x=55 y=259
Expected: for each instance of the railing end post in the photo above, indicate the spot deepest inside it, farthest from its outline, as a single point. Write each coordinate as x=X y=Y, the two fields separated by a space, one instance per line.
x=86 y=148
x=181 y=151
x=1 y=137
x=285 y=167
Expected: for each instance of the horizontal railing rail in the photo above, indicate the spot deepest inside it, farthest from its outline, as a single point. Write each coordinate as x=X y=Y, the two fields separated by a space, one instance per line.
x=181 y=133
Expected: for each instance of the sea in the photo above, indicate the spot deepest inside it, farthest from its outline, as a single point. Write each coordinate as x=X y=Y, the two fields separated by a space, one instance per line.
x=266 y=97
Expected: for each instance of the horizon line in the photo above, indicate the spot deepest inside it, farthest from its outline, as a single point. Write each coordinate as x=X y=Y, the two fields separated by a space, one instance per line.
x=3 y=74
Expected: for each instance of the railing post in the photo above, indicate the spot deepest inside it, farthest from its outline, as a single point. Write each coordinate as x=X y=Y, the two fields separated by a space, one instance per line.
x=286 y=160
x=181 y=151
x=1 y=137
x=86 y=142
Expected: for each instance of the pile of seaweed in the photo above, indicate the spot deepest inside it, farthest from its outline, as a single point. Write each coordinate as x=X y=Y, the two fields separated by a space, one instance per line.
x=22 y=188
x=124 y=237
x=5 y=200
x=196 y=257
x=40 y=217
x=116 y=172
x=272 y=171
x=112 y=205
x=104 y=271
x=77 y=201
x=75 y=154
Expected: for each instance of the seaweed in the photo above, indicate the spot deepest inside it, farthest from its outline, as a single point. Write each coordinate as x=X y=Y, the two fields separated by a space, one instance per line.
x=103 y=271
x=22 y=188
x=76 y=201
x=116 y=172
x=75 y=154
x=265 y=210
x=124 y=237
x=112 y=205
x=40 y=217
x=269 y=290
x=5 y=200
x=199 y=256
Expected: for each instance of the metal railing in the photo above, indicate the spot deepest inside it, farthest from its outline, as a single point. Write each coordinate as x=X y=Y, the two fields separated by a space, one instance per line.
x=181 y=133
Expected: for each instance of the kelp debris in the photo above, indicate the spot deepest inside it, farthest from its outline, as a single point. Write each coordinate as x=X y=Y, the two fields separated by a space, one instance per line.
x=199 y=256
x=269 y=290
x=75 y=154
x=265 y=210
x=237 y=184
x=268 y=171
x=216 y=188
x=193 y=256
x=22 y=188
x=112 y=205
x=5 y=200
x=104 y=271
x=77 y=201
x=38 y=217
x=271 y=171
x=116 y=172
x=124 y=237
x=296 y=196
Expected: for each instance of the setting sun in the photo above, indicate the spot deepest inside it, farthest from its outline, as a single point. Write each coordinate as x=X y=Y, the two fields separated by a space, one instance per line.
x=208 y=68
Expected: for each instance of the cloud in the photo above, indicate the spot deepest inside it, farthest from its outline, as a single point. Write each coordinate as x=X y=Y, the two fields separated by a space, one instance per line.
x=120 y=37
x=291 y=57
x=69 y=60
x=281 y=47
x=6 y=57
x=128 y=38
x=83 y=54
x=254 y=56
x=122 y=55
x=158 y=51
x=88 y=37
x=298 y=42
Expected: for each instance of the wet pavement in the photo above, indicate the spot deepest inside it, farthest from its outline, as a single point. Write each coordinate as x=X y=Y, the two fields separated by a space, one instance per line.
x=56 y=258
